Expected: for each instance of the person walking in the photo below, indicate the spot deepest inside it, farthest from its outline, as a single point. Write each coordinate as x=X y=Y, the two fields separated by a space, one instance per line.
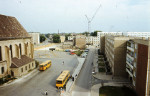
x=46 y=93
x=63 y=63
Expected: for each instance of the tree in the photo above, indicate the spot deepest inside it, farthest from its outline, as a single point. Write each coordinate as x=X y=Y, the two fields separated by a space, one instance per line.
x=94 y=33
x=85 y=33
x=56 y=38
x=42 y=38
x=47 y=35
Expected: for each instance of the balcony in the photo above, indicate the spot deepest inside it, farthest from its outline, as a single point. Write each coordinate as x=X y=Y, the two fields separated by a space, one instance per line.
x=132 y=58
x=130 y=64
x=130 y=72
x=130 y=48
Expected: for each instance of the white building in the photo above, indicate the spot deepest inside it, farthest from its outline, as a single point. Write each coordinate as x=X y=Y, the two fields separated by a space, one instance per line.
x=35 y=37
x=71 y=37
x=138 y=34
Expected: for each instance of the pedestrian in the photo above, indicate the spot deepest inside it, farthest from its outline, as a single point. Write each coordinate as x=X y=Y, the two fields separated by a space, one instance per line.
x=63 y=63
x=46 y=92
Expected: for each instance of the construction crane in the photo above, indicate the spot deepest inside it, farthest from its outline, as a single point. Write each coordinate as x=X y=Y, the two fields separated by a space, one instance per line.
x=91 y=19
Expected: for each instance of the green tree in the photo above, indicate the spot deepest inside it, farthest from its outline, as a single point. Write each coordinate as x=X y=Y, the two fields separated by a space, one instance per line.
x=94 y=33
x=56 y=38
x=85 y=33
x=47 y=35
x=42 y=38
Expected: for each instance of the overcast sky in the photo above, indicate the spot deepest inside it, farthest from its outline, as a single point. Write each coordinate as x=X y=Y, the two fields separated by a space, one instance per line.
x=47 y=16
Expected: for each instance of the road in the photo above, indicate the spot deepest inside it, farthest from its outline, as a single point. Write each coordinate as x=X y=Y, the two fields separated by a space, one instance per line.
x=36 y=85
x=84 y=81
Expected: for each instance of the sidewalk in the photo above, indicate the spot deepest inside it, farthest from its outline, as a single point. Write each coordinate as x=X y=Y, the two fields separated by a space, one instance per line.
x=75 y=74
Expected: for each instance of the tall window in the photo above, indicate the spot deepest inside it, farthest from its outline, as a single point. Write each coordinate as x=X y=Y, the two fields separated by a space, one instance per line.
x=11 y=50
x=20 y=49
x=2 y=69
x=0 y=54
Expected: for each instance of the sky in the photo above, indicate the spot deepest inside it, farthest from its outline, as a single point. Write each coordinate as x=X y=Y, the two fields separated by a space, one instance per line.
x=49 y=16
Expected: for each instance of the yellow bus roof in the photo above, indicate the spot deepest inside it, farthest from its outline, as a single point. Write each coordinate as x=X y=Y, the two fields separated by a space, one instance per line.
x=62 y=75
x=45 y=62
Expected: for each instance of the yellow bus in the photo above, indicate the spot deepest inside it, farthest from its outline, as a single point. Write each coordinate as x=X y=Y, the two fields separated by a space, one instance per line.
x=62 y=79
x=45 y=65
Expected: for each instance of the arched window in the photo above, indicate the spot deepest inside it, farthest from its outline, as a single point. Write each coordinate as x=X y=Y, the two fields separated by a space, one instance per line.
x=11 y=50
x=0 y=54
x=20 y=49
x=2 y=69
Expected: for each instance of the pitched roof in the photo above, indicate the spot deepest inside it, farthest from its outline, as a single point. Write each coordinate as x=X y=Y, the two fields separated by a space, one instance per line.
x=16 y=63
x=11 y=28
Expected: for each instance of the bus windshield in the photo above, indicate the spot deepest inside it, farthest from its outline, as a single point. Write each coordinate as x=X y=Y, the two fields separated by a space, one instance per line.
x=59 y=82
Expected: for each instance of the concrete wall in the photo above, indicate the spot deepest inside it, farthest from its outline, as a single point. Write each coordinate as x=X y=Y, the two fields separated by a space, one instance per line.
x=35 y=37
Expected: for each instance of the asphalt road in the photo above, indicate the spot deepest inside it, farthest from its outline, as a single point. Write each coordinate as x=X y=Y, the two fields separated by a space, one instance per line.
x=36 y=85
x=84 y=81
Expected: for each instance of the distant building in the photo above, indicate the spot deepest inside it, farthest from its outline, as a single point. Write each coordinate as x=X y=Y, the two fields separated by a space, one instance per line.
x=71 y=37
x=35 y=36
x=62 y=39
x=138 y=34
x=138 y=65
x=68 y=44
x=16 y=48
x=80 y=41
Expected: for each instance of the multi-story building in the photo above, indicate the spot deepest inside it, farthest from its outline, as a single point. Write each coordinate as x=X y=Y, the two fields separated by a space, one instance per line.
x=80 y=41
x=92 y=40
x=137 y=65
x=102 y=35
x=62 y=39
x=138 y=34
x=35 y=37
x=16 y=48
x=115 y=51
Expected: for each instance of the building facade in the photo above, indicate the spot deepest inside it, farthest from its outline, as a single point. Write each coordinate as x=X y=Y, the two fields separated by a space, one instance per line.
x=137 y=65
x=102 y=35
x=35 y=37
x=115 y=51
x=62 y=39
x=16 y=48
x=138 y=34
x=80 y=41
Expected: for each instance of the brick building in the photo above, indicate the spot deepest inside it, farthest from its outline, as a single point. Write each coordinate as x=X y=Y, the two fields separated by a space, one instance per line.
x=137 y=65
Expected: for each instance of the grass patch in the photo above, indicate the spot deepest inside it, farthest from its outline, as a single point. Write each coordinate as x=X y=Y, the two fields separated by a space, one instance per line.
x=101 y=69
x=78 y=53
x=116 y=91
x=100 y=56
x=101 y=64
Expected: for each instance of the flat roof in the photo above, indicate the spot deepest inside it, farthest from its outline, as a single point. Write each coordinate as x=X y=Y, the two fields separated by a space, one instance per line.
x=62 y=75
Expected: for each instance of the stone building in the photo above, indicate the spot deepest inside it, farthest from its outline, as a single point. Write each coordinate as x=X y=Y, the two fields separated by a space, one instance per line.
x=16 y=48
x=35 y=37
x=80 y=41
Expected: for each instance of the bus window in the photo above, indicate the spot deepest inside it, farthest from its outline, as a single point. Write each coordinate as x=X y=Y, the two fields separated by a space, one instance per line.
x=59 y=82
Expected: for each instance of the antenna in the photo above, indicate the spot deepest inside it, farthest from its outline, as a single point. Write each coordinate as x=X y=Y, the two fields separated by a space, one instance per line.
x=91 y=19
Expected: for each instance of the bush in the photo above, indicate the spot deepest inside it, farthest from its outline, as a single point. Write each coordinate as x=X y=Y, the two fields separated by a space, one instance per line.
x=36 y=63
x=101 y=69
x=78 y=53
